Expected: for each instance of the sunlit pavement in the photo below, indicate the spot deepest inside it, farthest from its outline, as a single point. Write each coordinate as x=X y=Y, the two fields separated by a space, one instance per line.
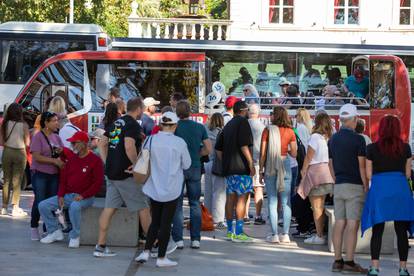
x=21 y=256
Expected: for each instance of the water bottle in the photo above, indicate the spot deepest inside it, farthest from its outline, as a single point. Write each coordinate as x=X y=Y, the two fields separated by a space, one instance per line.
x=61 y=218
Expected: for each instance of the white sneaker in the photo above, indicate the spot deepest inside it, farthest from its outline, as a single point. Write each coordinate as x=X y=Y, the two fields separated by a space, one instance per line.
x=143 y=257
x=74 y=243
x=273 y=238
x=4 y=212
x=165 y=262
x=18 y=212
x=180 y=244
x=195 y=244
x=315 y=239
x=172 y=246
x=284 y=238
x=55 y=236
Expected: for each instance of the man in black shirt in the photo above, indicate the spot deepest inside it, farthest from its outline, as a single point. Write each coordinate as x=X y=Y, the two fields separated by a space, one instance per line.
x=347 y=152
x=234 y=148
x=121 y=144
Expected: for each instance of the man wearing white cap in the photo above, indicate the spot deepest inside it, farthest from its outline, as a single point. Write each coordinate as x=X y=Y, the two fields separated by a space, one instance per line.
x=150 y=108
x=347 y=152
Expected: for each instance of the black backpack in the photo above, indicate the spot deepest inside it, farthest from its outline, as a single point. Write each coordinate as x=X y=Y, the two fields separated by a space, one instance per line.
x=300 y=157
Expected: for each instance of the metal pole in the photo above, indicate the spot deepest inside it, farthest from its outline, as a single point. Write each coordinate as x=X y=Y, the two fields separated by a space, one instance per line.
x=71 y=8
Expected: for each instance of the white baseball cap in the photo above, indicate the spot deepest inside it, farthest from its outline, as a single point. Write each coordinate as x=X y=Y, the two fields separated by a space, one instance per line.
x=150 y=101
x=348 y=111
x=169 y=118
x=284 y=81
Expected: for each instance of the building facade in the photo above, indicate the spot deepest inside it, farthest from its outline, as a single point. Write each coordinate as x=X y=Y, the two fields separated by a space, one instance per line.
x=377 y=22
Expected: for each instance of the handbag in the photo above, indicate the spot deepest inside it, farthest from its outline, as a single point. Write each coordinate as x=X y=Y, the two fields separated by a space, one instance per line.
x=142 y=168
x=207 y=223
x=217 y=168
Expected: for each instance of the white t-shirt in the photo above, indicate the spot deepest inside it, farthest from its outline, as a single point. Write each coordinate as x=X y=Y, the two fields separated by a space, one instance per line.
x=304 y=134
x=67 y=132
x=227 y=117
x=320 y=145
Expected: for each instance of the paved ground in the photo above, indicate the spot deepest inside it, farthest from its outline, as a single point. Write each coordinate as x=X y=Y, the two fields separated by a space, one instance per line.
x=21 y=256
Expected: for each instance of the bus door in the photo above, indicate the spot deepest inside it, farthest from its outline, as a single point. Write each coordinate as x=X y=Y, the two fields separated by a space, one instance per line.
x=389 y=93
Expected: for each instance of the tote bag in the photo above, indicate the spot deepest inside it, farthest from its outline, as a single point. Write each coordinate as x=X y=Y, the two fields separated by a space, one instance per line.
x=142 y=169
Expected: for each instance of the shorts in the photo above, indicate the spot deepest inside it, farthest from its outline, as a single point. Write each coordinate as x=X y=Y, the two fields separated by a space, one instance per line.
x=239 y=184
x=256 y=178
x=128 y=192
x=320 y=190
x=349 y=201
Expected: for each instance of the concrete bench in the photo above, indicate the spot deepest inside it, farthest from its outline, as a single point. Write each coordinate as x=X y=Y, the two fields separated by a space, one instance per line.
x=123 y=230
x=363 y=244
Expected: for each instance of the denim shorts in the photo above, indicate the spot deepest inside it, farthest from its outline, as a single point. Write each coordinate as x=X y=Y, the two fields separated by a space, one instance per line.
x=239 y=184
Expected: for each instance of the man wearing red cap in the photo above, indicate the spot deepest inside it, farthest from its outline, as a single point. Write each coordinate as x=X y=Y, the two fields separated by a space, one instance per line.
x=80 y=180
x=228 y=115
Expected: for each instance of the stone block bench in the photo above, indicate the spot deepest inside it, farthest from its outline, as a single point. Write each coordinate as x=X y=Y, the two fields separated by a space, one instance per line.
x=123 y=230
x=363 y=244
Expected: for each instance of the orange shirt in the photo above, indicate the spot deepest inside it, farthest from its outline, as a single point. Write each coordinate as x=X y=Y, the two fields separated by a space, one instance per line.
x=287 y=136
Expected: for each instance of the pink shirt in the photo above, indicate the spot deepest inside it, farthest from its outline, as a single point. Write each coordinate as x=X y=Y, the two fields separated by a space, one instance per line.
x=39 y=144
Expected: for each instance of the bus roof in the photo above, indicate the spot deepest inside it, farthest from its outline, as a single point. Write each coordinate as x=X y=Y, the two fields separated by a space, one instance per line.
x=39 y=27
x=258 y=46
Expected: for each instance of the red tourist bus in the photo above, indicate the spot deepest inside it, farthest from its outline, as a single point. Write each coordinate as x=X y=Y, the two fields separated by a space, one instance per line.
x=84 y=79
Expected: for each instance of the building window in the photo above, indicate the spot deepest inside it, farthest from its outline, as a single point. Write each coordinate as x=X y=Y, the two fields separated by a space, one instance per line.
x=346 y=12
x=281 y=11
x=406 y=12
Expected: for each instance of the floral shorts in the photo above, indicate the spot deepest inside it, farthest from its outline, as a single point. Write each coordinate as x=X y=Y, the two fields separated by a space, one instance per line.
x=239 y=184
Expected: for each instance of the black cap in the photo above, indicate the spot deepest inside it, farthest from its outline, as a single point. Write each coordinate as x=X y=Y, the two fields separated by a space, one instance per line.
x=240 y=106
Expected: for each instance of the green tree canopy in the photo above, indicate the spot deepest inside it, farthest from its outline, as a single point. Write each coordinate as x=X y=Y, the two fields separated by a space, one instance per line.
x=112 y=15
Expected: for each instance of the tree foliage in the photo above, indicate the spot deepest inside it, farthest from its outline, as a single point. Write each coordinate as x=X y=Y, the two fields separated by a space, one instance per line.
x=112 y=15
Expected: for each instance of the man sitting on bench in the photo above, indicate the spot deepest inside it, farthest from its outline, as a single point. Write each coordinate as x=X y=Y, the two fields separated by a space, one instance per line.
x=80 y=181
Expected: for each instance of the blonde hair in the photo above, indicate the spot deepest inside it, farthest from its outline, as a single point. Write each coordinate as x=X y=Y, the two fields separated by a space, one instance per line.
x=303 y=117
x=57 y=105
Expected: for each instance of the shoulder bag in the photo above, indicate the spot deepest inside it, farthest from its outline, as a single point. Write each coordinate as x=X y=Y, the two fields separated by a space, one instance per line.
x=217 y=168
x=142 y=168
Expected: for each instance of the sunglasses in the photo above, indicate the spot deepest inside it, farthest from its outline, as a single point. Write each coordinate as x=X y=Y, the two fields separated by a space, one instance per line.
x=47 y=115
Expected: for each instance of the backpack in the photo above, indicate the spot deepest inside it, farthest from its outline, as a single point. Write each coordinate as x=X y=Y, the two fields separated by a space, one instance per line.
x=300 y=157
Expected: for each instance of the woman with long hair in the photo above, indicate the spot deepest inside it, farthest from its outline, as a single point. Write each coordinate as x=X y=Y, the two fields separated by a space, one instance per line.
x=317 y=181
x=15 y=137
x=46 y=147
x=58 y=106
x=111 y=115
x=215 y=187
x=278 y=139
x=303 y=125
x=389 y=198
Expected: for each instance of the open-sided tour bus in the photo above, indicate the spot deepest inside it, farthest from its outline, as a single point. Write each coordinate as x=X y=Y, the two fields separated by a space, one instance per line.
x=84 y=79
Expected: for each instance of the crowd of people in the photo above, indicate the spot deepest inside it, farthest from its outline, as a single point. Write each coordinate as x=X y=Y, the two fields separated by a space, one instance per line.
x=299 y=164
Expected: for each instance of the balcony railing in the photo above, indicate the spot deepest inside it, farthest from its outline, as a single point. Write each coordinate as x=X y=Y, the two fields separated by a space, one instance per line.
x=178 y=28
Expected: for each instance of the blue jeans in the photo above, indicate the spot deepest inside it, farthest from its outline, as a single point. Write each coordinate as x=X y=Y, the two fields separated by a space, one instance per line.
x=48 y=206
x=272 y=194
x=295 y=172
x=192 y=181
x=44 y=186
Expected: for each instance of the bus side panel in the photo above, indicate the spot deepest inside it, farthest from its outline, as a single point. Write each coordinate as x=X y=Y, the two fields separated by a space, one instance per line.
x=403 y=98
x=81 y=122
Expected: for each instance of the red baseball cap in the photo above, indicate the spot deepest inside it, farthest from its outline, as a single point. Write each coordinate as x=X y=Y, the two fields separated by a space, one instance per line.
x=230 y=101
x=79 y=136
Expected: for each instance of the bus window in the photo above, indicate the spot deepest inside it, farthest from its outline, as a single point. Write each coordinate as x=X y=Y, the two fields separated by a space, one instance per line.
x=20 y=58
x=64 y=79
x=157 y=79
x=382 y=84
